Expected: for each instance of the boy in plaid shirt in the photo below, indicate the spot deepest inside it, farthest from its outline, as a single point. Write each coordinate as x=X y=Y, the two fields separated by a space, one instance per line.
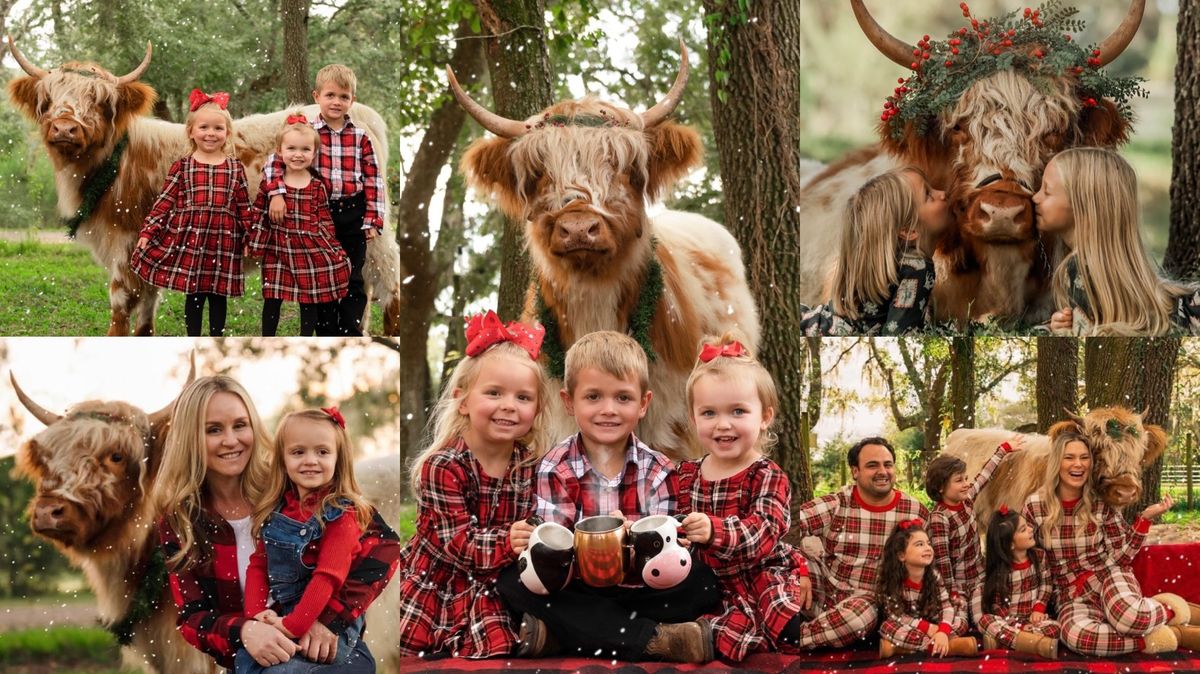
x=347 y=163
x=605 y=470
x=853 y=524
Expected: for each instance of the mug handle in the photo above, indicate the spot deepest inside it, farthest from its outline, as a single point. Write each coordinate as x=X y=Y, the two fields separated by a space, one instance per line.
x=534 y=520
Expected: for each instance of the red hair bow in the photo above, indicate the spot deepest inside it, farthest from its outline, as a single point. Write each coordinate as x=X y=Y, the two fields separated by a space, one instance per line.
x=198 y=98
x=730 y=350
x=909 y=524
x=1003 y=509
x=485 y=331
x=296 y=119
x=336 y=415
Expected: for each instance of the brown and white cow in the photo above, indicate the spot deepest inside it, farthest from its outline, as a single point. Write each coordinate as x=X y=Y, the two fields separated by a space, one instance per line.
x=82 y=111
x=1122 y=446
x=987 y=151
x=93 y=468
x=578 y=174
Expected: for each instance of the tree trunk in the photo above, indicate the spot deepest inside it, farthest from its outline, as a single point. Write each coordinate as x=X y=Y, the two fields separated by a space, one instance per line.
x=756 y=123
x=962 y=382
x=1183 y=243
x=1057 y=383
x=294 y=15
x=521 y=86
x=1159 y=371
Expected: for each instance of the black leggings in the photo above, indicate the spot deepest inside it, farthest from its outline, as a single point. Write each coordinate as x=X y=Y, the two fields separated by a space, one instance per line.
x=193 y=313
x=315 y=319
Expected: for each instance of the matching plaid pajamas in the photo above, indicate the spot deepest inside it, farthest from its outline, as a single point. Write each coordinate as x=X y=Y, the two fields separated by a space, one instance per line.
x=1029 y=591
x=1100 y=604
x=448 y=601
x=905 y=628
x=758 y=572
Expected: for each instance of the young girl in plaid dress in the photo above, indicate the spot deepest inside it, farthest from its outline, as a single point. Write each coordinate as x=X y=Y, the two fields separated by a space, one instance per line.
x=737 y=503
x=474 y=487
x=918 y=616
x=1010 y=606
x=1090 y=550
x=192 y=238
x=310 y=520
x=301 y=260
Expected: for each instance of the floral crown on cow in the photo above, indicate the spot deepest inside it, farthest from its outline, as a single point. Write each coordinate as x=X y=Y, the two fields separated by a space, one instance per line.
x=1036 y=43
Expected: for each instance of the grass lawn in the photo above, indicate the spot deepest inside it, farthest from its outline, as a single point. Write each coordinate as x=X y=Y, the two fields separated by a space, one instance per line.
x=62 y=650
x=408 y=521
x=57 y=289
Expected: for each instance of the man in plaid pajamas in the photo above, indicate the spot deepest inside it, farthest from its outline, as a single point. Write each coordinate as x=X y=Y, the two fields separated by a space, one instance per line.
x=853 y=525
x=604 y=469
x=347 y=163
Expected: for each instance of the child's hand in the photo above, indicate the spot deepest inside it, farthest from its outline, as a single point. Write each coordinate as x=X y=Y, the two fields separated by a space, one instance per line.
x=319 y=644
x=697 y=527
x=804 y=593
x=268 y=616
x=142 y=243
x=1061 y=321
x=941 y=644
x=1153 y=510
x=1017 y=442
x=1036 y=617
x=277 y=209
x=518 y=535
x=371 y=233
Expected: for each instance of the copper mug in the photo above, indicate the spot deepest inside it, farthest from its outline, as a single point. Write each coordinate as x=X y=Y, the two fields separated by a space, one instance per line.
x=601 y=556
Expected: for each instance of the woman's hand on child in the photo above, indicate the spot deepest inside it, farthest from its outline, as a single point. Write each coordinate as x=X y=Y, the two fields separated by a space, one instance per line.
x=804 y=593
x=518 y=535
x=1036 y=617
x=1061 y=321
x=142 y=243
x=697 y=527
x=941 y=644
x=319 y=644
x=267 y=645
x=277 y=209
x=1155 y=509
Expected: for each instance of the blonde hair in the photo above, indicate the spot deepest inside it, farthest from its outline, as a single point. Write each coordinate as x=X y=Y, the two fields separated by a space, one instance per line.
x=344 y=485
x=179 y=486
x=1125 y=292
x=611 y=352
x=210 y=107
x=1050 y=481
x=866 y=268
x=447 y=423
x=338 y=74
x=728 y=368
x=302 y=127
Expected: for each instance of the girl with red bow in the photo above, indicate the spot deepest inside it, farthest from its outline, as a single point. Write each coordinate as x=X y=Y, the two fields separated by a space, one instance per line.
x=192 y=238
x=738 y=504
x=918 y=616
x=309 y=521
x=474 y=489
x=1010 y=606
x=301 y=258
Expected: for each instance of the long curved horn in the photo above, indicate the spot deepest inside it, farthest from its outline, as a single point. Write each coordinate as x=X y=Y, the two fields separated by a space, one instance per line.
x=667 y=105
x=501 y=126
x=887 y=44
x=163 y=415
x=40 y=413
x=1074 y=417
x=138 y=71
x=1114 y=44
x=28 y=67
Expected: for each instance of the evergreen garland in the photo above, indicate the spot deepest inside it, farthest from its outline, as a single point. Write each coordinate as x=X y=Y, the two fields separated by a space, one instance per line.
x=96 y=185
x=147 y=599
x=1036 y=43
x=638 y=324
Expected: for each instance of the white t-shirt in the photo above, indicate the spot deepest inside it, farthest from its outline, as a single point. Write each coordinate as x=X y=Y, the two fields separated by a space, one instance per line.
x=245 y=546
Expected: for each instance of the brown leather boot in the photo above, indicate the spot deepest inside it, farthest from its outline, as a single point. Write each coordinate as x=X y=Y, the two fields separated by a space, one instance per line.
x=1195 y=613
x=989 y=642
x=963 y=646
x=887 y=649
x=1037 y=644
x=682 y=642
x=535 y=639
x=1188 y=636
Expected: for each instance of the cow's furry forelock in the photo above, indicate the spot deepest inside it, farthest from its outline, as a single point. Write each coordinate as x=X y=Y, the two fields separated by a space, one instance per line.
x=1117 y=451
x=84 y=95
x=580 y=160
x=1007 y=118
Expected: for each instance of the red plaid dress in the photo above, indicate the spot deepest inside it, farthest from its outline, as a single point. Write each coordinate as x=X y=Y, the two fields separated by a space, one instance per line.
x=196 y=229
x=905 y=628
x=1100 y=604
x=955 y=536
x=1029 y=591
x=759 y=573
x=209 y=596
x=301 y=258
x=569 y=488
x=448 y=600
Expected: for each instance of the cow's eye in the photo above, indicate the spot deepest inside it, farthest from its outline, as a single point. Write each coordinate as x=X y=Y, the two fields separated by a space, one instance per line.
x=116 y=457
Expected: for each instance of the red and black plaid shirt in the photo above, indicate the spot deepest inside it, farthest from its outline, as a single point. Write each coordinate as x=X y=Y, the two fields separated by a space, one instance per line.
x=209 y=596
x=1029 y=591
x=853 y=533
x=347 y=162
x=569 y=488
x=955 y=536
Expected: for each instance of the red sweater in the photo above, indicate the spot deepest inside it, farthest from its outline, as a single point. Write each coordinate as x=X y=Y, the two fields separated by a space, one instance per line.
x=332 y=554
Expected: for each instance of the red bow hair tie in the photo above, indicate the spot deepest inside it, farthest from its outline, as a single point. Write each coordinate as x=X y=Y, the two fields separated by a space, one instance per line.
x=909 y=524
x=198 y=98
x=485 y=331
x=296 y=119
x=336 y=415
x=730 y=350
x=1003 y=510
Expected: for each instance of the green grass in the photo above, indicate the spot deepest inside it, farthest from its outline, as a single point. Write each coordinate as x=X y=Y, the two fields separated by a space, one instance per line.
x=57 y=289
x=408 y=521
x=61 y=644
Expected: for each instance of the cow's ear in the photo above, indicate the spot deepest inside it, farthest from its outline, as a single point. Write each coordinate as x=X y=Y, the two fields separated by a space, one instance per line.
x=1156 y=443
x=928 y=151
x=674 y=150
x=23 y=93
x=135 y=99
x=29 y=460
x=1063 y=427
x=490 y=172
x=1102 y=125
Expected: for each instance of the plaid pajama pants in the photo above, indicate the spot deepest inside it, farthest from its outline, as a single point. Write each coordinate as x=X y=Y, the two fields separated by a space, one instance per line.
x=840 y=617
x=905 y=634
x=1110 y=616
x=1004 y=630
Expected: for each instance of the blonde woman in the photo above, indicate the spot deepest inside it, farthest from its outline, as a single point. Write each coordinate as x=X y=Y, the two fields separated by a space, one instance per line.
x=1090 y=550
x=883 y=279
x=1107 y=283
x=213 y=471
